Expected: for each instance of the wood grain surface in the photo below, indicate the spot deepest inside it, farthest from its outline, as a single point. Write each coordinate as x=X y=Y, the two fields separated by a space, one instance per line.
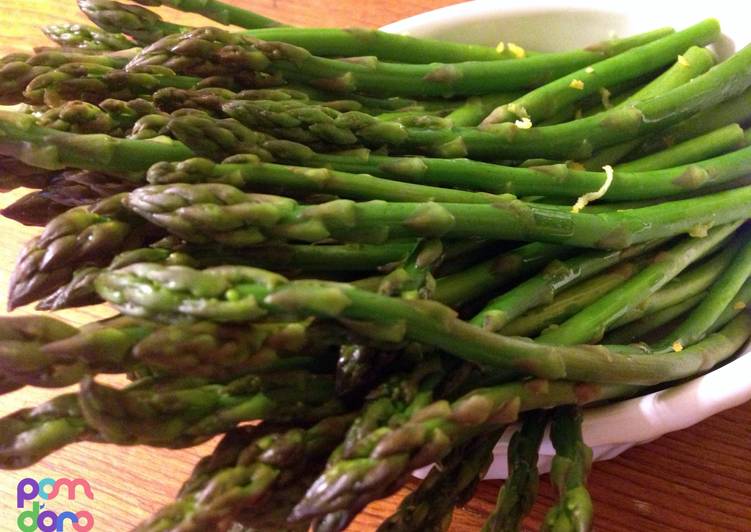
x=694 y=480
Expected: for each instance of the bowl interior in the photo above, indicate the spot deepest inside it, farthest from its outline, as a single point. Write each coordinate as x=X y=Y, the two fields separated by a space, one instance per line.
x=546 y=25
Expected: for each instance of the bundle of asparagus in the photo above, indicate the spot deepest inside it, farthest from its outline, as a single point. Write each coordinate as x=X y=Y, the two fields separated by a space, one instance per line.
x=381 y=261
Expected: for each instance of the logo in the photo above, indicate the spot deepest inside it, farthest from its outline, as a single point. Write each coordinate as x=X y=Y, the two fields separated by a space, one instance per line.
x=47 y=489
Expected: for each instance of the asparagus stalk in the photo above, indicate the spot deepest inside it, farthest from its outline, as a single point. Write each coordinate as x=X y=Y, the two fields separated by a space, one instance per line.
x=47 y=148
x=637 y=330
x=69 y=189
x=80 y=236
x=242 y=293
x=568 y=473
x=15 y=174
x=30 y=434
x=545 y=101
x=360 y=365
x=590 y=324
x=570 y=302
x=735 y=307
x=334 y=42
x=183 y=411
x=79 y=290
x=476 y=108
x=221 y=12
x=542 y=180
x=111 y=116
x=712 y=144
x=144 y=26
x=694 y=62
x=254 y=175
x=449 y=483
x=86 y=37
x=427 y=436
x=695 y=280
x=223 y=214
x=501 y=270
x=246 y=472
x=390 y=403
x=555 y=277
x=733 y=110
x=94 y=83
x=701 y=319
x=518 y=494
x=579 y=138
x=117 y=345
x=296 y=64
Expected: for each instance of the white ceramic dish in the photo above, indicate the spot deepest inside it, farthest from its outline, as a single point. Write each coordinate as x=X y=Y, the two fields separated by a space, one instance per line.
x=548 y=25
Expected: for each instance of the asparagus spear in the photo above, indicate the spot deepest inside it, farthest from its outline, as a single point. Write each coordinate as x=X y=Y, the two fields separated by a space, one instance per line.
x=86 y=37
x=542 y=180
x=590 y=324
x=712 y=144
x=733 y=110
x=246 y=472
x=638 y=329
x=501 y=270
x=117 y=345
x=142 y=25
x=555 y=277
x=221 y=12
x=579 y=138
x=334 y=42
x=94 y=83
x=111 y=116
x=296 y=64
x=55 y=361
x=476 y=108
x=250 y=173
x=79 y=290
x=30 y=434
x=545 y=101
x=46 y=148
x=518 y=494
x=15 y=174
x=80 y=236
x=242 y=293
x=568 y=473
x=701 y=319
x=569 y=302
x=182 y=411
x=223 y=214
x=449 y=483
x=694 y=62
x=697 y=279
x=427 y=436
x=69 y=189
x=389 y=404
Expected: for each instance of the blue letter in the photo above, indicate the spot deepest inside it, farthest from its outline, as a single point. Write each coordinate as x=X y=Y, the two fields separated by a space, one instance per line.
x=62 y=517
x=45 y=482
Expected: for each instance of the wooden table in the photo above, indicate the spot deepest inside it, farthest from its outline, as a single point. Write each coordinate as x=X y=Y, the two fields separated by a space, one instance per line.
x=696 y=479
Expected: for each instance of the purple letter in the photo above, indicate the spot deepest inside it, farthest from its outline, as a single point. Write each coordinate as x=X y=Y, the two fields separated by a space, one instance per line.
x=22 y=495
x=47 y=514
